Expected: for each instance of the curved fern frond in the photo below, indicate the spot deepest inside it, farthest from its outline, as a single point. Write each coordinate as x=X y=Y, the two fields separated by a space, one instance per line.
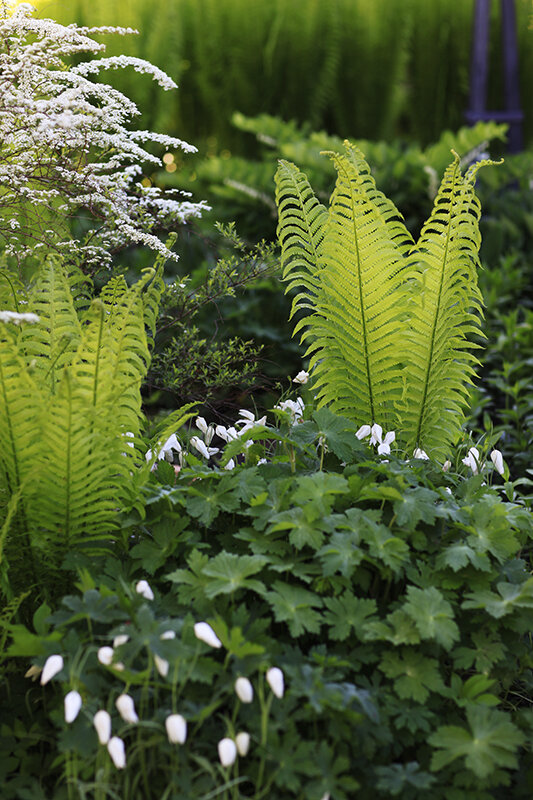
x=77 y=473
x=301 y=229
x=355 y=330
x=52 y=342
x=445 y=308
x=19 y=428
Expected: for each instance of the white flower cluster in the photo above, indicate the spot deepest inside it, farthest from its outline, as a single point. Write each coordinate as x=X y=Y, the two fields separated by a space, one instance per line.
x=244 y=423
x=66 y=145
x=175 y=724
x=375 y=432
x=17 y=319
x=295 y=409
x=475 y=463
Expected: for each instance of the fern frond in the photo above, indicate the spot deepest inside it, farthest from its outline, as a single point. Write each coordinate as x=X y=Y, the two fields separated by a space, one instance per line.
x=77 y=472
x=445 y=309
x=355 y=330
x=51 y=343
x=19 y=429
x=301 y=229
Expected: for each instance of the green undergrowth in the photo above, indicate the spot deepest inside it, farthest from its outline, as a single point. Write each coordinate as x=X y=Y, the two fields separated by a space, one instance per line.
x=395 y=597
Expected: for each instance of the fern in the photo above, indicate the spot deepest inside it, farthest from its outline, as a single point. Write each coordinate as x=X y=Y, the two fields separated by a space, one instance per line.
x=70 y=391
x=444 y=310
x=387 y=320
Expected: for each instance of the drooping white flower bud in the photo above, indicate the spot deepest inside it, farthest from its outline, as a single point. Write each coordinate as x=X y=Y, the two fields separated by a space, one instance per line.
x=447 y=465
x=52 y=666
x=249 y=416
x=201 y=424
x=72 y=705
x=122 y=638
x=302 y=377
x=363 y=432
x=244 y=690
x=206 y=634
x=202 y=448
x=497 y=459
x=472 y=460
x=143 y=588
x=227 y=752
x=102 y=723
x=376 y=434
x=161 y=664
x=242 y=740
x=126 y=708
x=117 y=751
x=276 y=681
x=418 y=453
x=168 y=635
x=176 y=727
x=105 y=655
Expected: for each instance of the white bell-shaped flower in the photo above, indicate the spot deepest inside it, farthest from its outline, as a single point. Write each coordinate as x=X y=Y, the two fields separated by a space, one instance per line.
x=497 y=459
x=418 y=453
x=376 y=434
x=364 y=431
x=117 y=751
x=227 y=752
x=72 y=705
x=168 y=635
x=122 y=638
x=206 y=634
x=276 y=681
x=161 y=665
x=244 y=690
x=242 y=741
x=302 y=377
x=126 y=708
x=143 y=588
x=176 y=728
x=105 y=655
x=102 y=723
x=52 y=666
x=472 y=460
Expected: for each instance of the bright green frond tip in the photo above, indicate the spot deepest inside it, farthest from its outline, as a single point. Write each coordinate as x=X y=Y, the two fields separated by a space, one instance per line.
x=388 y=323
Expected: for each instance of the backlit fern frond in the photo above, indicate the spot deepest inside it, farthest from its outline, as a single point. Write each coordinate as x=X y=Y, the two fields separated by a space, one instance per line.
x=301 y=228
x=51 y=343
x=444 y=310
x=78 y=474
x=349 y=268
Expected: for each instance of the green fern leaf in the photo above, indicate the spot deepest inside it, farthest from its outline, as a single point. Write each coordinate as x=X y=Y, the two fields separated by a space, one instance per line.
x=301 y=228
x=78 y=473
x=51 y=343
x=355 y=330
x=445 y=308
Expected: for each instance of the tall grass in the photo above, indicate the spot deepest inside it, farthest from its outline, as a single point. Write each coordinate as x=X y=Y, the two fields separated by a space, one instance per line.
x=364 y=68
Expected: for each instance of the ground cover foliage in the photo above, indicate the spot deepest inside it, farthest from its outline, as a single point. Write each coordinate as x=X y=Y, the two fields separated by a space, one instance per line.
x=290 y=606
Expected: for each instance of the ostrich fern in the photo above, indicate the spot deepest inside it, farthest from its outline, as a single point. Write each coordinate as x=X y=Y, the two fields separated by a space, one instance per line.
x=70 y=415
x=386 y=321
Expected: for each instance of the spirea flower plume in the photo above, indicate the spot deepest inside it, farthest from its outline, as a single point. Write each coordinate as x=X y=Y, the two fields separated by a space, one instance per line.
x=66 y=146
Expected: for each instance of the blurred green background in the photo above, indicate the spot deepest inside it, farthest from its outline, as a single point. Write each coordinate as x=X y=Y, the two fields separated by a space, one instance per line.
x=361 y=68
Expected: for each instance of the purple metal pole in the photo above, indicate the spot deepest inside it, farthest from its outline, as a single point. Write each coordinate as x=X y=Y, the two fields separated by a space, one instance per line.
x=511 y=75
x=479 y=69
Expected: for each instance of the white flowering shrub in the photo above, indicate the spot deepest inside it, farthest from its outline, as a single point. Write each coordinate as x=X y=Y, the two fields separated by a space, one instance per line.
x=67 y=148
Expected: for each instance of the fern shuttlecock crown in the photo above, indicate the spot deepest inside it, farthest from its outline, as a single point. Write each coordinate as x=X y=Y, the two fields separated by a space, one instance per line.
x=386 y=320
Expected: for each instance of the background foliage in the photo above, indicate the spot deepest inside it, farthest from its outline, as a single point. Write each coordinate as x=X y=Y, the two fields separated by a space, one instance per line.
x=366 y=69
